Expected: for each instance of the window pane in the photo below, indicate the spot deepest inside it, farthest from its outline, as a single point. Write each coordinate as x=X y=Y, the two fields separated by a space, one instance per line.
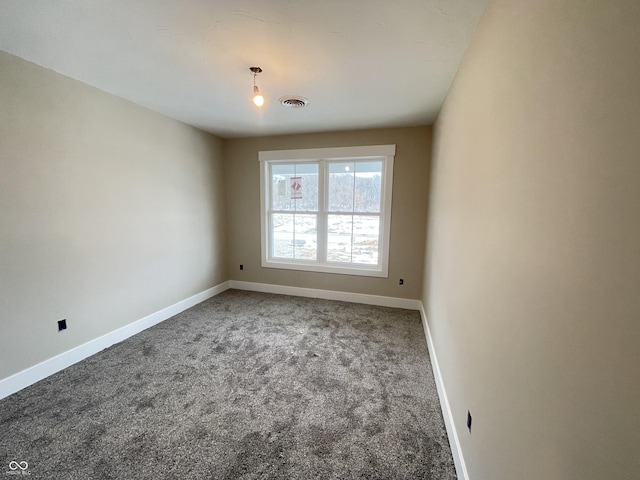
x=341 y=186
x=339 y=235
x=294 y=187
x=353 y=239
x=368 y=186
x=366 y=234
x=294 y=236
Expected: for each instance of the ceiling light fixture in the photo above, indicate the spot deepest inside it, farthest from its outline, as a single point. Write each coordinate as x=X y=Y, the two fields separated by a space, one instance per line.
x=258 y=99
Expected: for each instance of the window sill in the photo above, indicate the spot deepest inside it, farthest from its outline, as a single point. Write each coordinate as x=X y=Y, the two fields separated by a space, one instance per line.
x=336 y=269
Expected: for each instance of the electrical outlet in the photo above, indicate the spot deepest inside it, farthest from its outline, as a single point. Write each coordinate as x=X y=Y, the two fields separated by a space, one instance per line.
x=241 y=267
x=62 y=324
x=469 y=420
x=401 y=282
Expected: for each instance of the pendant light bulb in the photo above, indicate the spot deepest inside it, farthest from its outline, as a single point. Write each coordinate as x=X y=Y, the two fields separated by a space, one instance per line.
x=258 y=99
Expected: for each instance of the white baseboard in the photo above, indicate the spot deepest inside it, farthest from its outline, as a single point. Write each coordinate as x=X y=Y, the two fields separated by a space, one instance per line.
x=42 y=370
x=454 y=441
x=327 y=294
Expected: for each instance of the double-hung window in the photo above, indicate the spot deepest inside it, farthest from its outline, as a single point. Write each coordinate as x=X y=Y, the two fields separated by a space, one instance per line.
x=327 y=209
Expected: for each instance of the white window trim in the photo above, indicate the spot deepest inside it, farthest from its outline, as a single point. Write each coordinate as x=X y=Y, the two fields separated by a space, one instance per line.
x=330 y=154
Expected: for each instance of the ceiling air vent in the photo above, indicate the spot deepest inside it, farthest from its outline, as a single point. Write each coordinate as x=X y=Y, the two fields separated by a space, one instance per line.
x=293 y=101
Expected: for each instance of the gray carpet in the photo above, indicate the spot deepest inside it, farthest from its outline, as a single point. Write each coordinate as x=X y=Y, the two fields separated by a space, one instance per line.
x=245 y=385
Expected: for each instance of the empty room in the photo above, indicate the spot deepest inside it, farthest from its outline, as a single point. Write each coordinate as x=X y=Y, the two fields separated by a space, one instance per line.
x=320 y=240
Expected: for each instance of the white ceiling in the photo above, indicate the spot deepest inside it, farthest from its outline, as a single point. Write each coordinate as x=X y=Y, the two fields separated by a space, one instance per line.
x=361 y=63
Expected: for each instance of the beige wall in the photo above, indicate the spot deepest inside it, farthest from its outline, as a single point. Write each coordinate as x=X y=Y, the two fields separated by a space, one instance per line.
x=108 y=213
x=408 y=222
x=532 y=283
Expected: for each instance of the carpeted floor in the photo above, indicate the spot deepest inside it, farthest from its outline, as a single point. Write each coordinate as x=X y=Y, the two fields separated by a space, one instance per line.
x=243 y=386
